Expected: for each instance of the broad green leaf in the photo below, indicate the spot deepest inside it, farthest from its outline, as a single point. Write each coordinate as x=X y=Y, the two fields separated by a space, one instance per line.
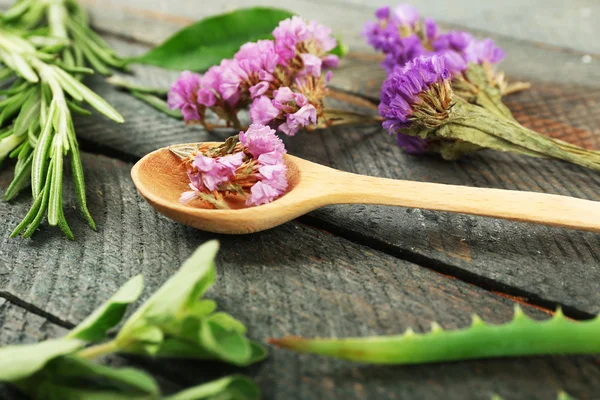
x=141 y=339
x=21 y=361
x=235 y=387
x=227 y=345
x=124 y=379
x=94 y=327
x=180 y=348
x=184 y=287
x=208 y=41
x=226 y=321
x=72 y=378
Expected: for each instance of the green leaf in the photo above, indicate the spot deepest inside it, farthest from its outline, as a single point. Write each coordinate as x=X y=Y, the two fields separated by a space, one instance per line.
x=18 y=362
x=228 y=345
x=94 y=327
x=20 y=180
x=78 y=179
x=124 y=379
x=56 y=182
x=87 y=95
x=208 y=41
x=235 y=387
x=185 y=287
x=157 y=103
x=74 y=378
x=340 y=50
x=30 y=111
x=227 y=322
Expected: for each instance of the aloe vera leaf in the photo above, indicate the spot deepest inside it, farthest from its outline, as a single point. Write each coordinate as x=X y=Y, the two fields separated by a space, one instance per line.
x=520 y=337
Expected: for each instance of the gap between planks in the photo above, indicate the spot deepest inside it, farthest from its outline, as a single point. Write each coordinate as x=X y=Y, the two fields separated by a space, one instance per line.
x=448 y=270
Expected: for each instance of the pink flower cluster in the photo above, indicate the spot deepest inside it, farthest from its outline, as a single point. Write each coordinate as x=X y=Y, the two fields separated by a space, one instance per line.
x=274 y=77
x=255 y=167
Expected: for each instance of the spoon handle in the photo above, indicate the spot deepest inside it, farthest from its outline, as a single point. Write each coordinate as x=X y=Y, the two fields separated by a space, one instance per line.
x=514 y=205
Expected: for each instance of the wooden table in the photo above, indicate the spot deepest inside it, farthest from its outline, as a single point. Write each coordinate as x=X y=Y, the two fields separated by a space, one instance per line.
x=342 y=270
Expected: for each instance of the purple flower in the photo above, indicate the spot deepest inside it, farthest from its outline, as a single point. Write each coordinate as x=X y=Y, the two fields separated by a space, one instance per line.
x=252 y=64
x=395 y=34
x=260 y=139
x=262 y=111
x=285 y=95
x=261 y=193
x=305 y=116
x=485 y=51
x=454 y=61
x=314 y=37
x=411 y=144
x=405 y=50
x=216 y=171
x=402 y=89
x=183 y=95
x=275 y=176
x=431 y=29
x=312 y=65
x=404 y=15
x=383 y=12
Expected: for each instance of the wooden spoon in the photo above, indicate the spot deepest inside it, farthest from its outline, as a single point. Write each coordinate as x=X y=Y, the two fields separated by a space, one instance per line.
x=160 y=179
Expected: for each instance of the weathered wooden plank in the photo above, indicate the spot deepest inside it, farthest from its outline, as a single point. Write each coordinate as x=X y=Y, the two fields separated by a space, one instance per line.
x=565 y=24
x=291 y=280
x=481 y=250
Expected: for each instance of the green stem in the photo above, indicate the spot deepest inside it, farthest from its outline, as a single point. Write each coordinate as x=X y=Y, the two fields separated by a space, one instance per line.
x=99 y=350
x=476 y=125
x=520 y=337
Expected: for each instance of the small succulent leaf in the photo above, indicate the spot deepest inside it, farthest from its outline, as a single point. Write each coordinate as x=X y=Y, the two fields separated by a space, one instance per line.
x=181 y=348
x=184 y=287
x=235 y=387
x=227 y=322
x=20 y=361
x=126 y=380
x=227 y=345
x=142 y=339
x=208 y=41
x=109 y=314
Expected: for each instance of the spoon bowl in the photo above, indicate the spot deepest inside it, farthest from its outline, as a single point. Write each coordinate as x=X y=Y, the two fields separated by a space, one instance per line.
x=161 y=179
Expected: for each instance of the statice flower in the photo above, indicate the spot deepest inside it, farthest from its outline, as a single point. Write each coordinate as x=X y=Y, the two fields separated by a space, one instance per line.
x=403 y=92
x=396 y=34
x=402 y=35
x=297 y=60
x=295 y=36
x=250 y=165
x=419 y=105
x=287 y=111
x=183 y=95
x=250 y=72
x=418 y=92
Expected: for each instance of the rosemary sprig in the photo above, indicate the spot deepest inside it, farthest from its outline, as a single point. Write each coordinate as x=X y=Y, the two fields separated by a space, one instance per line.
x=44 y=49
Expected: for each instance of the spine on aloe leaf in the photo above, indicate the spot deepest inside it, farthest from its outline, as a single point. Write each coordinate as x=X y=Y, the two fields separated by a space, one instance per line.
x=520 y=337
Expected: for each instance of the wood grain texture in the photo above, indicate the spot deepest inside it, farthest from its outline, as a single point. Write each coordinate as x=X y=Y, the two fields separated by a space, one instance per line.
x=290 y=280
x=492 y=253
x=558 y=23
